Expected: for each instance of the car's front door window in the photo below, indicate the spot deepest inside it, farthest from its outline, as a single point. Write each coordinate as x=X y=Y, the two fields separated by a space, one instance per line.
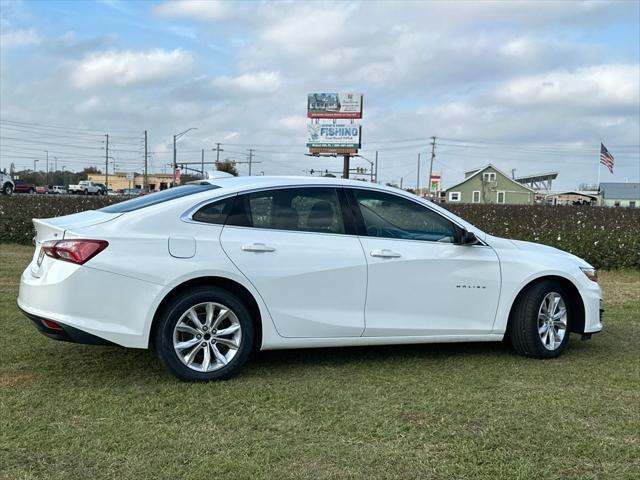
x=390 y=216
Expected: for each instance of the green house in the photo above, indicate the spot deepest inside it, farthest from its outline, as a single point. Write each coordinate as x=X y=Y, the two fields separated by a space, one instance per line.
x=489 y=185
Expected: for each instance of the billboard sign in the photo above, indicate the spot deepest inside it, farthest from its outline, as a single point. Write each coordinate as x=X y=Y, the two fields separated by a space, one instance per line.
x=333 y=135
x=334 y=105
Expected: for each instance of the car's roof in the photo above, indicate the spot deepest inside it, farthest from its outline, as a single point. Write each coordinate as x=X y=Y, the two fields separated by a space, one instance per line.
x=262 y=181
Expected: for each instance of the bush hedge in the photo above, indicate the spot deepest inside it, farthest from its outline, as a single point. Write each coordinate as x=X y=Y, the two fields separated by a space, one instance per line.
x=605 y=237
x=17 y=211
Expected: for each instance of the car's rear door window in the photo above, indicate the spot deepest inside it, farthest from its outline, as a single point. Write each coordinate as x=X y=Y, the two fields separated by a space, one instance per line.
x=307 y=209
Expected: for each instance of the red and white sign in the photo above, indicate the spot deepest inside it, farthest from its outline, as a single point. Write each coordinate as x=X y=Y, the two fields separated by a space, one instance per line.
x=178 y=174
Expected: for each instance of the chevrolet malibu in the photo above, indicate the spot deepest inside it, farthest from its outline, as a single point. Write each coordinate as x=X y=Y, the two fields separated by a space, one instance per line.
x=207 y=272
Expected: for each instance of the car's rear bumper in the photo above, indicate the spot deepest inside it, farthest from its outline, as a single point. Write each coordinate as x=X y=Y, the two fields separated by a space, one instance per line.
x=64 y=333
x=87 y=301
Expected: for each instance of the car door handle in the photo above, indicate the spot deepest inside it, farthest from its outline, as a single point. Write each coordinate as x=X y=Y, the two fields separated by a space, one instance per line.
x=385 y=253
x=257 y=247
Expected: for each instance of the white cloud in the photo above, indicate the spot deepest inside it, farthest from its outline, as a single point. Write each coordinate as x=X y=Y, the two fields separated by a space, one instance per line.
x=89 y=105
x=122 y=68
x=607 y=86
x=19 y=38
x=249 y=83
x=192 y=9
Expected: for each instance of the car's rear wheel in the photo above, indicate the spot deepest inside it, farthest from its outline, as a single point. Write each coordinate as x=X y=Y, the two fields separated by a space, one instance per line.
x=204 y=334
x=539 y=321
x=8 y=189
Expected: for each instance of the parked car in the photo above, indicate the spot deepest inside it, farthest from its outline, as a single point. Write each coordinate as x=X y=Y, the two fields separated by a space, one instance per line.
x=85 y=187
x=113 y=193
x=207 y=272
x=103 y=188
x=7 y=185
x=132 y=192
x=42 y=189
x=23 y=187
x=59 y=189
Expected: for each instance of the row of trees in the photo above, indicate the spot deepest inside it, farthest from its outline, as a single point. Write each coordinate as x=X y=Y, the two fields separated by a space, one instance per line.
x=57 y=177
x=65 y=178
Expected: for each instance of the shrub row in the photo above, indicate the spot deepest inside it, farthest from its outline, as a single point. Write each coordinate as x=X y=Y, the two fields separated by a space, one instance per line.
x=605 y=237
x=17 y=211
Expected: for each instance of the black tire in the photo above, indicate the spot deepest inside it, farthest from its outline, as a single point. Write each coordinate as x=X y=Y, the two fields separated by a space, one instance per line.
x=163 y=338
x=523 y=321
x=7 y=189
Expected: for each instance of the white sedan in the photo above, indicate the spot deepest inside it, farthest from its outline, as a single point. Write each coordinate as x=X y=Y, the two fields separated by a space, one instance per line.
x=207 y=272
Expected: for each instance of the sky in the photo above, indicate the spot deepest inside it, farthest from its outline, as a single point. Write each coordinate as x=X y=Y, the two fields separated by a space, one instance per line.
x=530 y=86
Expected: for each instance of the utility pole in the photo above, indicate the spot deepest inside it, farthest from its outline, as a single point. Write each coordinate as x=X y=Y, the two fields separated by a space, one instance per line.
x=376 y=166
x=418 y=179
x=345 y=166
x=202 y=164
x=218 y=150
x=250 y=159
x=175 y=166
x=401 y=179
x=34 y=164
x=47 y=177
x=146 y=181
x=433 y=156
x=106 y=161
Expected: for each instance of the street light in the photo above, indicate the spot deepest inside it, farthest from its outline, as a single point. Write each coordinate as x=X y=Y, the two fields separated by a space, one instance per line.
x=177 y=137
x=34 y=164
x=370 y=163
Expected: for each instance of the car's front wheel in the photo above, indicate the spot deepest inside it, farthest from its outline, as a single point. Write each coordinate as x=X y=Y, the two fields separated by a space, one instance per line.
x=204 y=334
x=539 y=321
x=7 y=189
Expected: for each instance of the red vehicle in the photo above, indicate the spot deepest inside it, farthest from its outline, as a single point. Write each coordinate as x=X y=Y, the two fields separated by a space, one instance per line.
x=42 y=189
x=24 y=187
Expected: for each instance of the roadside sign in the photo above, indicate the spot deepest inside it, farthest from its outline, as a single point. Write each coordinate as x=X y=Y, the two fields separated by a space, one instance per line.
x=333 y=135
x=130 y=176
x=334 y=105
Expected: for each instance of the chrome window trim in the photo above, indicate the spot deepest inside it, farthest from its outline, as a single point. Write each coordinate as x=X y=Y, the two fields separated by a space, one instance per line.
x=187 y=216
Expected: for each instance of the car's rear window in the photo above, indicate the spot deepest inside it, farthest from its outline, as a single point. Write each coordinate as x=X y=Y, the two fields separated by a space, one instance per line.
x=158 y=197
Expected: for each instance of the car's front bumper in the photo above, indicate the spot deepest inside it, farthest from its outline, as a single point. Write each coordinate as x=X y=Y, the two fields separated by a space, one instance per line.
x=593 y=306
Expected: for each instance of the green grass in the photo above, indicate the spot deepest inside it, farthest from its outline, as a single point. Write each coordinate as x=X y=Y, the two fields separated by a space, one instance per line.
x=432 y=411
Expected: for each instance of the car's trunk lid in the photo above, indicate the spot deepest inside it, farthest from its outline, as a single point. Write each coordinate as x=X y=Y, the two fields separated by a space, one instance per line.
x=56 y=229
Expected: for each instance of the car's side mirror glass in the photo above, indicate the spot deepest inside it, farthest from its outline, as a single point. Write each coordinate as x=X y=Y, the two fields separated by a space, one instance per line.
x=469 y=238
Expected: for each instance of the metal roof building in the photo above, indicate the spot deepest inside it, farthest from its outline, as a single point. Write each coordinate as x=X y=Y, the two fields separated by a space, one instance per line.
x=620 y=194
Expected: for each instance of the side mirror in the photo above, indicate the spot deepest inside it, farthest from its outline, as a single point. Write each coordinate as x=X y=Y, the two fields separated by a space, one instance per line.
x=469 y=238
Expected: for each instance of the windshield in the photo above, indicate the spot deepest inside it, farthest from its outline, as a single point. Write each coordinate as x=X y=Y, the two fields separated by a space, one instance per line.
x=158 y=197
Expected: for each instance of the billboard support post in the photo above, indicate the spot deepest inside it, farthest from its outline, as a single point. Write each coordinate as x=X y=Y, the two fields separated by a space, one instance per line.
x=345 y=166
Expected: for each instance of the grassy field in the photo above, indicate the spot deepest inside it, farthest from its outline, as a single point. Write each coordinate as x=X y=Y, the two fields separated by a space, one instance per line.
x=457 y=411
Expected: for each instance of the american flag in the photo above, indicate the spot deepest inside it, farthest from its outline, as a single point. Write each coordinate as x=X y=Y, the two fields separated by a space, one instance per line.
x=606 y=158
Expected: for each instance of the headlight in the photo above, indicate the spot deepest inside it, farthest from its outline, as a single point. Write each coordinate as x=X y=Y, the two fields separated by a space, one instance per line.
x=591 y=273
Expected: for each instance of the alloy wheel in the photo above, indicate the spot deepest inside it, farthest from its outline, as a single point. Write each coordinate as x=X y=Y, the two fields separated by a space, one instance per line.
x=207 y=337
x=552 y=321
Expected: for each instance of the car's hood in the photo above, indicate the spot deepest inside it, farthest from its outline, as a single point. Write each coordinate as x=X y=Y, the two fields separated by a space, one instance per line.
x=533 y=248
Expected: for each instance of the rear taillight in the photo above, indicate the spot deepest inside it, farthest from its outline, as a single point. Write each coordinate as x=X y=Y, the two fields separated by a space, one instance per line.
x=74 y=251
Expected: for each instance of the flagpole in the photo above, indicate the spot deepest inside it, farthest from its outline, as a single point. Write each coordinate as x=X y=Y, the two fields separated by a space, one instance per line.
x=599 y=150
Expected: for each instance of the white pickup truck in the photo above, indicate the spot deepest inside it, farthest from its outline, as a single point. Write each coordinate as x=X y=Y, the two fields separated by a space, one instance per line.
x=85 y=187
